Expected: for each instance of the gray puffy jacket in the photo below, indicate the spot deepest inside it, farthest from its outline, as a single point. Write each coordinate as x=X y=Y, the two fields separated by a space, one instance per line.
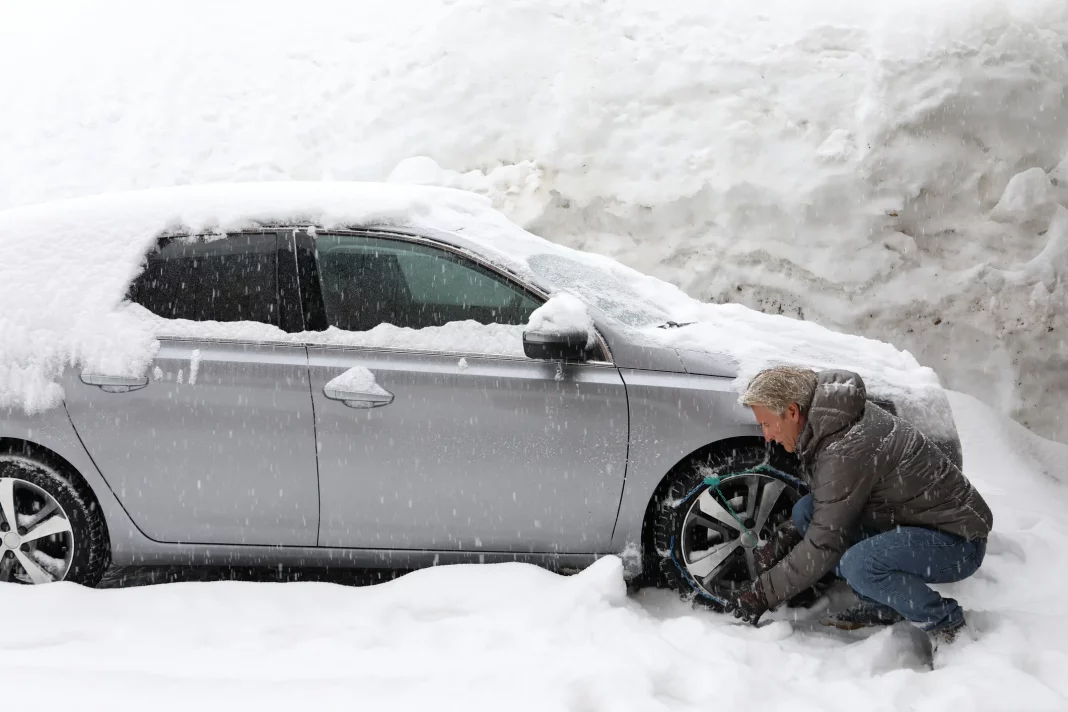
x=868 y=467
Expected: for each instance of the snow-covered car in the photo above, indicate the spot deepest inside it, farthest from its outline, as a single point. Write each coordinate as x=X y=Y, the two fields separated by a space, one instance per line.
x=378 y=375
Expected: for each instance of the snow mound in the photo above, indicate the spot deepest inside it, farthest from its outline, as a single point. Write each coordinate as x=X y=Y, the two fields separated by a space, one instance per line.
x=479 y=637
x=1028 y=196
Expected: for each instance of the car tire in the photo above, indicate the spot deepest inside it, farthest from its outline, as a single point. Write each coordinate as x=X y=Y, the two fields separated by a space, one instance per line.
x=47 y=497
x=680 y=527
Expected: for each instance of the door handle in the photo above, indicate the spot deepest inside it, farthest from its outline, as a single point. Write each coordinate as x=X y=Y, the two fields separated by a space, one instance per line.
x=360 y=399
x=114 y=384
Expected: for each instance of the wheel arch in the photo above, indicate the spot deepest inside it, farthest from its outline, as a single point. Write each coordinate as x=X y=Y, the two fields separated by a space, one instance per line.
x=776 y=457
x=50 y=436
x=50 y=458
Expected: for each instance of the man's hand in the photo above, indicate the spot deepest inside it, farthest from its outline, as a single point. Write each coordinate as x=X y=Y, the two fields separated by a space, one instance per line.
x=747 y=604
x=782 y=542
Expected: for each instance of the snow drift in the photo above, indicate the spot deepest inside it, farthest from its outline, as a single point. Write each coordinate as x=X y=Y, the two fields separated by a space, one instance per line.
x=514 y=636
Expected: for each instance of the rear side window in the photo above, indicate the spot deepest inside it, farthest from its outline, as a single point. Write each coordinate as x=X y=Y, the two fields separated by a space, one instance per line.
x=367 y=281
x=234 y=278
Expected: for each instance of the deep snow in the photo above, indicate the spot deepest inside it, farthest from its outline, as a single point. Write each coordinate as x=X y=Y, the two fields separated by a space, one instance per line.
x=851 y=162
x=517 y=637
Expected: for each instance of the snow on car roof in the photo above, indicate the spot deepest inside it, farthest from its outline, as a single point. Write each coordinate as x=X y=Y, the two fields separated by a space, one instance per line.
x=68 y=264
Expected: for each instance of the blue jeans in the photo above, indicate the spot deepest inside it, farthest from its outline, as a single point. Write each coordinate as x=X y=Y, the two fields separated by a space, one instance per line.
x=894 y=568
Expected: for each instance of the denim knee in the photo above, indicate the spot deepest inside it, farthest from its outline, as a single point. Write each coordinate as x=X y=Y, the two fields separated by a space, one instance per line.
x=802 y=513
x=853 y=566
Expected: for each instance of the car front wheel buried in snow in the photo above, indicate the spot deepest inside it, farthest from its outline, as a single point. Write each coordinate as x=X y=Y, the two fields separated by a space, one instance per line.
x=715 y=518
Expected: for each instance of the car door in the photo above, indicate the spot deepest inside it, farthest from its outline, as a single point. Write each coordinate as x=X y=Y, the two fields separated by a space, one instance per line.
x=436 y=441
x=215 y=444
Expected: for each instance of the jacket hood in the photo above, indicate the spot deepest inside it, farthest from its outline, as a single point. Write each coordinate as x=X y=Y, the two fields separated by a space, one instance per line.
x=838 y=402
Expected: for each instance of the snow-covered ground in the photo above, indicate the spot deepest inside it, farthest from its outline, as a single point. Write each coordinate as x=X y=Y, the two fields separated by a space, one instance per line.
x=890 y=169
x=519 y=638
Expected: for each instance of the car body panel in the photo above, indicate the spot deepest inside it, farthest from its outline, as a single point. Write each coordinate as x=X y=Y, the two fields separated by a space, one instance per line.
x=700 y=363
x=474 y=452
x=52 y=430
x=218 y=448
x=629 y=350
x=671 y=416
x=141 y=551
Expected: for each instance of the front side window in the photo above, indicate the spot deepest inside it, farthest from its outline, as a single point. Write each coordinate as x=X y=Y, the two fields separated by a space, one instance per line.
x=234 y=278
x=367 y=281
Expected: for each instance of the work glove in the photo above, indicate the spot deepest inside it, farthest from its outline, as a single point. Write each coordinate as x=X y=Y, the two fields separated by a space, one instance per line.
x=747 y=604
x=782 y=542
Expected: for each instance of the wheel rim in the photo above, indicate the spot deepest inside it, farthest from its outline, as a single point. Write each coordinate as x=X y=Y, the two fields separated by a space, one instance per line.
x=719 y=543
x=36 y=538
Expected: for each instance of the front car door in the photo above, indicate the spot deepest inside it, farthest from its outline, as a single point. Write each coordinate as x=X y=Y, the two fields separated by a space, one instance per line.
x=458 y=441
x=216 y=444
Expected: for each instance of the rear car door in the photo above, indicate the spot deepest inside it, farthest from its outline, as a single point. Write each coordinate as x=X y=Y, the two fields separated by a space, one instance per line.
x=215 y=444
x=457 y=442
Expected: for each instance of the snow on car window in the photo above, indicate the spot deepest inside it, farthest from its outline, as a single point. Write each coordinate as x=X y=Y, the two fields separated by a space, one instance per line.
x=598 y=288
x=460 y=337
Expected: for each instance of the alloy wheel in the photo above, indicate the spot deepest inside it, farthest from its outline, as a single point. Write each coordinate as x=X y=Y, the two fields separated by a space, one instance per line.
x=725 y=525
x=36 y=537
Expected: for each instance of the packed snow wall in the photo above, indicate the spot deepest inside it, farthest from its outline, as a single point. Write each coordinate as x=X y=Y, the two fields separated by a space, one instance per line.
x=899 y=172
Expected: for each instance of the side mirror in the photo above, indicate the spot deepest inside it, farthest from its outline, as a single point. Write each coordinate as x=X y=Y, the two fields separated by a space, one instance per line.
x=565 y=346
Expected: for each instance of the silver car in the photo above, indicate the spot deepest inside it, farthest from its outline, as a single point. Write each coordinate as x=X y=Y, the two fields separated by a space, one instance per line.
x=238 y=449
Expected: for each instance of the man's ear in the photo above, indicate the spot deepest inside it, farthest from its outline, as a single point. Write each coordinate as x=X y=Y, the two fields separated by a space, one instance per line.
x=793 y=413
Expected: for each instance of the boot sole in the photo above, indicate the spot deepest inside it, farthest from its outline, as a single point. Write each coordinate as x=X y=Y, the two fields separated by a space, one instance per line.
x=847 y=625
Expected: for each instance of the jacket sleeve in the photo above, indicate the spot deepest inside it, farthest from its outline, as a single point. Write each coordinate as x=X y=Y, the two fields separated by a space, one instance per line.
x=841 y=488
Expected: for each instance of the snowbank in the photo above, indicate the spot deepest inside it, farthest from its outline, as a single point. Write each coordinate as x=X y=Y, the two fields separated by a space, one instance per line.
x=514 y=636
x=830 y=159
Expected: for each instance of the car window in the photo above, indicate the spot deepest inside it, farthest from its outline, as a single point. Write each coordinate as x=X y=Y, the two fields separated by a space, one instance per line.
x=367 y=281
x=234 y=278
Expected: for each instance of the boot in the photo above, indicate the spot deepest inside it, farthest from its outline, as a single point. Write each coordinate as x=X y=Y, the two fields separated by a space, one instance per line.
x=947 y=636
x=865 y=614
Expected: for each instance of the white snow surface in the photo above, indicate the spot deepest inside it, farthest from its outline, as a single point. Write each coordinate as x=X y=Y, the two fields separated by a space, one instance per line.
x=1028 y=196
x=833 y=159
x=511 y=635
x=62 y=289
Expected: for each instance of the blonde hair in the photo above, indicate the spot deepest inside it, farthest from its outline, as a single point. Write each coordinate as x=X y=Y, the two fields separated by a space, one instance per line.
x=776 y=388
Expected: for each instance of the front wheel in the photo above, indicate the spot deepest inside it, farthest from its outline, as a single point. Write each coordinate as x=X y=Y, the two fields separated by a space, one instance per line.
x=706 y=537
x=51 y=528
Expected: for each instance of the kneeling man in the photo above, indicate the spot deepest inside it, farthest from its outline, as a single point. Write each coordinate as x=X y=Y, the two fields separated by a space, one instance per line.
x=888 y=510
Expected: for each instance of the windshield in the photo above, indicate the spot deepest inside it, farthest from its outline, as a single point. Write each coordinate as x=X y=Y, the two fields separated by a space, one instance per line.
x=597 y=287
